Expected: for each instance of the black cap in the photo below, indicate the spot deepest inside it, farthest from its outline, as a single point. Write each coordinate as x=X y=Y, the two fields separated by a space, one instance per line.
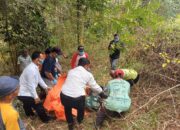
x=48 y=50
x=57 y=50
x=80 y=48
x=115 y=34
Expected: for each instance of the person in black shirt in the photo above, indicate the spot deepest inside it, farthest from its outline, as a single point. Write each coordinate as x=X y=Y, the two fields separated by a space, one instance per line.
x=48 y=68
x=114 y=51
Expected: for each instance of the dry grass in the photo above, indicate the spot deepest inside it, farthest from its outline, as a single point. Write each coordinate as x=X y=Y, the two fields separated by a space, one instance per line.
x=154 y=106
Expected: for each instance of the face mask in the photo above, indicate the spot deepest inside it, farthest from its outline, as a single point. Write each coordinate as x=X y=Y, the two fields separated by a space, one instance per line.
x=81 y=53
x=41 y=61
x=116 y=39
x=59 y=57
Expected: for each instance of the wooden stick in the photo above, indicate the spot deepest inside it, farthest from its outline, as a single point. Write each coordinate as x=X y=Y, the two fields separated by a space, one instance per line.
x=167 y=90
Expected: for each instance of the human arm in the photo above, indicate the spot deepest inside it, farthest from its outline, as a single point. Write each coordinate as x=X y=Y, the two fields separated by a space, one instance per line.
x=18 y=65
x=110 y=45
x=41 y=82
x=30 y=60
x=58 y=66
x=65 y=56
x=93 y=85
x=105 y=93
x=48 y=67
x=30 y=83
x=87 y=56
x=73 y=60
x=49 y=75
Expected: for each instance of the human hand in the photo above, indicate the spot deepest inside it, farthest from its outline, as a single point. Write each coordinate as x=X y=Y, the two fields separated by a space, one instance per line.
x=47 y=90
x=65 y=56
x=37 y=100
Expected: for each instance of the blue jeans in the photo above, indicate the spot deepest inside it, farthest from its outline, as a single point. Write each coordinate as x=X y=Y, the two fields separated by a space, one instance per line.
x=113 y=63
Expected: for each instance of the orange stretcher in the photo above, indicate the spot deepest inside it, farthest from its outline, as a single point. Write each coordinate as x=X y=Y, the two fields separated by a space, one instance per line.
x=53 y=103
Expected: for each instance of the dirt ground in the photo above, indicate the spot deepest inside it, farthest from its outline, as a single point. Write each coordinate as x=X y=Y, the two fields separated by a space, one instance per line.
x=148 y=112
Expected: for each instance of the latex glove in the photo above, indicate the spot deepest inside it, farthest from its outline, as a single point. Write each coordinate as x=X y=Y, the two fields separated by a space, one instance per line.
x=54 y=81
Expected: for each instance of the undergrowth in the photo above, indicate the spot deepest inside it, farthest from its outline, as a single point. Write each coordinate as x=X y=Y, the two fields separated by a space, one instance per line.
x=162 y=112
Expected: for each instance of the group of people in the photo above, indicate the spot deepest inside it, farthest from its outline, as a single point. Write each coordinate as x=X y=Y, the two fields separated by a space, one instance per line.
x=37 y=71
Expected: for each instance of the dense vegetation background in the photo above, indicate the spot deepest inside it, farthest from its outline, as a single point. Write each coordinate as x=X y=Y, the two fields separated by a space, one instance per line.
x=150 y=30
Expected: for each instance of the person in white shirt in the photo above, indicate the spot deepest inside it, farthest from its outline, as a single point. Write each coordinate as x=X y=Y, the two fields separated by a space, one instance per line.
x=73 y=91
x=23 y=60
x=29 y=80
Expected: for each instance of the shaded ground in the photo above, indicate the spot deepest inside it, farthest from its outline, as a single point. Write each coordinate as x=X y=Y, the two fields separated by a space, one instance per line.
x=162 y=113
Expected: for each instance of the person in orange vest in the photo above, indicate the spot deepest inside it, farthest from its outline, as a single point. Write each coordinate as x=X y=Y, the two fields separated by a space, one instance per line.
x=77 y=55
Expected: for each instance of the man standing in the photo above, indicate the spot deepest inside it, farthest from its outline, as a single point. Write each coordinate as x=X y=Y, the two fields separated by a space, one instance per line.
x=76 y=56
x=114 y=51
x=73 y=91
x=23 y=60
x=29 y=80
x=48 y=71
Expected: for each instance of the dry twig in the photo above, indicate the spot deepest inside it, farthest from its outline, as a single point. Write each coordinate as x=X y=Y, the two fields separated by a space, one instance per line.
x=152 y=100
x=173 y=103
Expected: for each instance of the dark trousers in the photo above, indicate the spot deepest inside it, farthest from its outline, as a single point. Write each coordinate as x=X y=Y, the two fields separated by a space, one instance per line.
x=42 y=93
x=77 y=103
x=103 y=113
x=29 y=105
x=113 y=63
x=132 y=82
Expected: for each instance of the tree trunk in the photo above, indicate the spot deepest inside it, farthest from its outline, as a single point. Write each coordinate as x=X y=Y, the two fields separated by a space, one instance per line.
x=80 y=24
x=78 y=21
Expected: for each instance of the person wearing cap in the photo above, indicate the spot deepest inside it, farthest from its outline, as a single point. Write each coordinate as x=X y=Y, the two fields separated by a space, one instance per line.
x=9 y=117
x=77 y=55
x=23 y=60
x=48 y=71
x=118 y=99
x=29 y=80
x=58 y=65
x=73 y=91
x=114 y=48
x=129 y=75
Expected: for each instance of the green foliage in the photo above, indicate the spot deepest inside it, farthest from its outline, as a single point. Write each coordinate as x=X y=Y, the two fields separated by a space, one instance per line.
x=169 y=8
x=124 y=18
x=23 y=26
